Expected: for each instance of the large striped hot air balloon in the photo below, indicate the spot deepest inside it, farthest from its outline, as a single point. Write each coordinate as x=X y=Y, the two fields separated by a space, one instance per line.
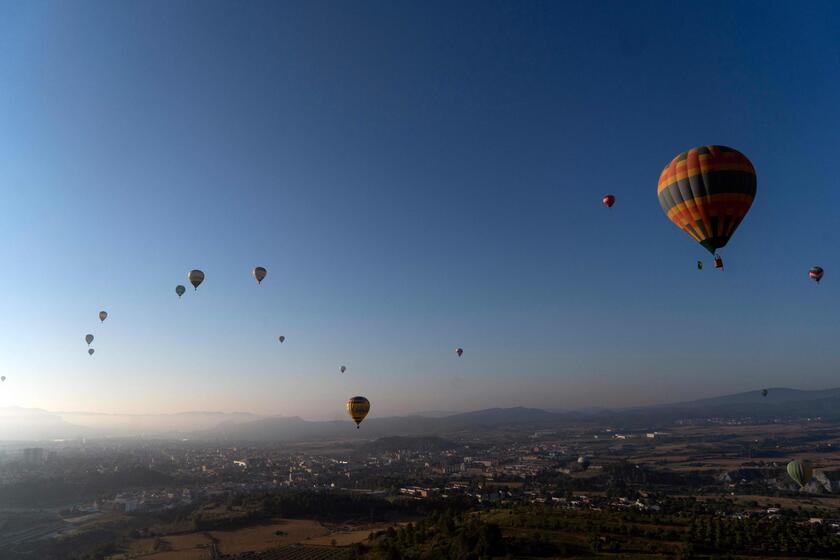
x=800 y=471
x=357 y=409
x=706 y=192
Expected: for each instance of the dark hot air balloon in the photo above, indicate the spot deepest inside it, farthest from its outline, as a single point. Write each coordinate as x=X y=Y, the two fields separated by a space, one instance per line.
x=764 y=392
x=459 y=351
x=706 y=192
x=180 y=290
x=259 y=273
x=103 y=315
x=91 y=351
x=608 y=200
x=282 y=339
x=196 y=277
x=342 y=369
x=357 y=409
x=816 y=273
x=88 y=339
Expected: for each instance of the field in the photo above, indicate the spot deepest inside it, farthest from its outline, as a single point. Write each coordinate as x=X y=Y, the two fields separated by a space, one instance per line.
x=728 y=446
x=281 y=532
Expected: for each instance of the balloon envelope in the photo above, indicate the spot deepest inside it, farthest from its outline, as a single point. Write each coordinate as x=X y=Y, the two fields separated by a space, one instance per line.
x=2 y=378
x=282 y=339
x=196 y=277
x=608 y=200
x=343 y=369
x=764 y=392
x=460 y=352
x=800 y=471
x=179 y=289
x=90 y=351
x=88 y=338
x=357 y=409
x=259 y=273
x=103 y=315
x=706 y=192
x=816 y=273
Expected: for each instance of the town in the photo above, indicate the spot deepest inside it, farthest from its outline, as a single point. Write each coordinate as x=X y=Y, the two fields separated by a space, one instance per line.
x=62 y=490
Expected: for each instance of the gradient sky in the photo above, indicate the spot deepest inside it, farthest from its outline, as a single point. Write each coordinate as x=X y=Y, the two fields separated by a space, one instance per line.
x=416 y=176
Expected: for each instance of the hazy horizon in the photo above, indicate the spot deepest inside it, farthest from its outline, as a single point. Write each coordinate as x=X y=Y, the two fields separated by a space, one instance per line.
x=416 y=177
x=69 y=414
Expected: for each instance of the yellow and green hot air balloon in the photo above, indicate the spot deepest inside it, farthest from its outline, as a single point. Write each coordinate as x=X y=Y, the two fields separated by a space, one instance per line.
x=357 y=409
x=800 y=471
x=706 y=192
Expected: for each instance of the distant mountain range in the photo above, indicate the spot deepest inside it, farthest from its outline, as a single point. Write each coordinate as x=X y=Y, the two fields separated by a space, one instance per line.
x=18 y=424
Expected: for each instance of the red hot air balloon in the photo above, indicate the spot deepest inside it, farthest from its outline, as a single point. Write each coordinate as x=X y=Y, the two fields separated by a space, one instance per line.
x=608 y=200
x=816 y=273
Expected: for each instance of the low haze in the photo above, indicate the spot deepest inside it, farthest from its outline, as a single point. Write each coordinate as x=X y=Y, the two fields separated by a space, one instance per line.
x=415 y=177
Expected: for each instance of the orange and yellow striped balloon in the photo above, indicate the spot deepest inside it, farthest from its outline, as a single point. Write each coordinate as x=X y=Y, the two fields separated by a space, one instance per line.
x=706 y=192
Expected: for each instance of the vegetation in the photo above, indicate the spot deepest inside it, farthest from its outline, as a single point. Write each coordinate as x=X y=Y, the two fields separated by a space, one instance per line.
x=551 y=532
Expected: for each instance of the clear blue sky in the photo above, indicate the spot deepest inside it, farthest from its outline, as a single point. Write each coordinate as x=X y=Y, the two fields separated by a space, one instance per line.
x=416 y=176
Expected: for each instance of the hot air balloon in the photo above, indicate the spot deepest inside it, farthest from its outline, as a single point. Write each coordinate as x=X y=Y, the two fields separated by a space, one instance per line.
x=90 y=351
x=180 y=290
x=196 y=277
x=816 y=273
x=459 y=351
x=259 y=273
x=608 y=200
x=103 y=315
x=2 y=378
x=800 y=471
x=706 y=192
x=88 y=339
x=282 y=339
x=764 y=392
x=699 y=265
x=342 y=369
x=357 y=409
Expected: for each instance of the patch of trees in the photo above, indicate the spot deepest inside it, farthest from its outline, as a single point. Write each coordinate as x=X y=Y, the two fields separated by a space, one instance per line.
x=37 y=492
x=779 y=537
x=452 y=536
